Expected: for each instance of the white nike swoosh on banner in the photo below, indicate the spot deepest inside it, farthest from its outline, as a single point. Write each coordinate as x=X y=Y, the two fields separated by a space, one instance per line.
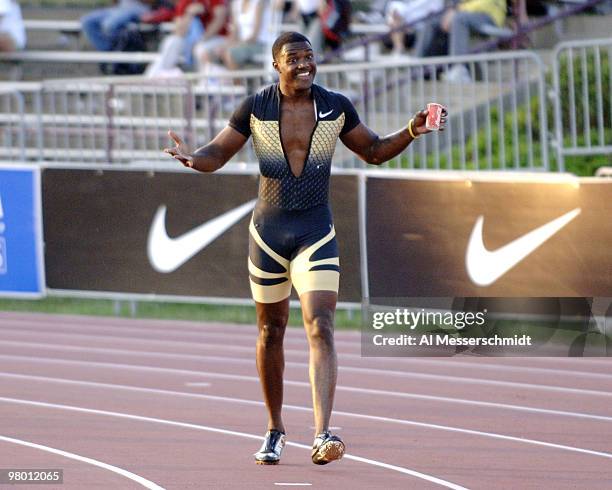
x=168 y=254
x=321 y=115
x=485 y=267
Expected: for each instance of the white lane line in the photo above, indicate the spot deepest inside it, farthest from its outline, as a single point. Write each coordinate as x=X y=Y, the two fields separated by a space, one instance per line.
x=336 y=413
x=217 y=430
x=588 y=361
x=352 y=389
x=447 y=363
x=153 y=326
x=128 y=352
x=414 y=396
x=293 y=334
x=287 y=484
x=140 y=332
x=243 y=333
x=353 y=369
x=120 y=471
x=502 y=367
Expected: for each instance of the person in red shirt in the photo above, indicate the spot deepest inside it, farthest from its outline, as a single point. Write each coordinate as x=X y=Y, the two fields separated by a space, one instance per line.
x=199 y=26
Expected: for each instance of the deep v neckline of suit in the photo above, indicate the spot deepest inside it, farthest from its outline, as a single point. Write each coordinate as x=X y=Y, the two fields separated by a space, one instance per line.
x=280 y=135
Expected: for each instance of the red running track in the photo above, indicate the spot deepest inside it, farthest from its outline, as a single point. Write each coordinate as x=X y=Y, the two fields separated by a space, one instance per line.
x=121 y=403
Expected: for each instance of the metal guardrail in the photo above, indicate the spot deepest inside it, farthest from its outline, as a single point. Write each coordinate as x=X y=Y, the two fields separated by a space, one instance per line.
x=582 y=78
x=12 y=131
x=497 y=119
x=116 y=119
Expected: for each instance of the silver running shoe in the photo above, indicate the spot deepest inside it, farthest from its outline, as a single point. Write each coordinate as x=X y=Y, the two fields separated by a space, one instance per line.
x=327 y=448
x=272 y=447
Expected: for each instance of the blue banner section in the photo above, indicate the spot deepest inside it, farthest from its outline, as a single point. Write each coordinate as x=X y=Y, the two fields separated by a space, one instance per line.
x=21 y=262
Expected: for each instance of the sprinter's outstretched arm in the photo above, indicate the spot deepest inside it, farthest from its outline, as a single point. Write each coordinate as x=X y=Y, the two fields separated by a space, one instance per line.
x=210 y=157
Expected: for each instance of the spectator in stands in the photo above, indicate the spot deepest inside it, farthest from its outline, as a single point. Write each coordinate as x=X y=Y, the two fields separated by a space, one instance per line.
x=199 y=26
x=251 y=33
x=12 y=30
x=306 y=14
x=458 y=23
x=335 y=18
x=162 y=11
x=400 y=12
x=103 y=27
x=325 y=22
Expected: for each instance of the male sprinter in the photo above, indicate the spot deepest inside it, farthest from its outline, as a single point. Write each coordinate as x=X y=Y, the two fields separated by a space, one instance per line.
x=295 y=125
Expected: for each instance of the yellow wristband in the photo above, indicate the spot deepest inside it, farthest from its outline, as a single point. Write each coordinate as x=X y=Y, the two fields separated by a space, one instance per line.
x=410 y=123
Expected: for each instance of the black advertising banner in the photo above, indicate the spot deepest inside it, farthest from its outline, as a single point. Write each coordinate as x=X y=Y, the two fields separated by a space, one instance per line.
x=528 y=263
x=167 y=233
x=470 y=238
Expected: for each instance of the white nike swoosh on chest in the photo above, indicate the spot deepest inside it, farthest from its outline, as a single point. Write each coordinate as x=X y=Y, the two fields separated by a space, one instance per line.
x=484 y=267
x=168 y=254
x=322 y=115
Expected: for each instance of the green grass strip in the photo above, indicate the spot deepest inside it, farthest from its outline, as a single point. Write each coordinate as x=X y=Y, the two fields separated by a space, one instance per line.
x=168 y=311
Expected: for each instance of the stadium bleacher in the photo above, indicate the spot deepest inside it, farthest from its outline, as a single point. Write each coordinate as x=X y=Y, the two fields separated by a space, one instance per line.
x=202 y=105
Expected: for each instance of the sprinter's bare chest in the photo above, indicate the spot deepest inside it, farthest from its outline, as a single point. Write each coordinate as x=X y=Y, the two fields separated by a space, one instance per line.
x=297 y=124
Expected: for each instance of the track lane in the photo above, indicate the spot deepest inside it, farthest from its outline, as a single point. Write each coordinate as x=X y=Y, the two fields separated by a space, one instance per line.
x=450 y=372
x=295 y=335
x=27 y=359
x=397 y=443
x=203 y=451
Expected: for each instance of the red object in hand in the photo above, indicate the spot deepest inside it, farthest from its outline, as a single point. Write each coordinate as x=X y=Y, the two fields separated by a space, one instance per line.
x=434 y=114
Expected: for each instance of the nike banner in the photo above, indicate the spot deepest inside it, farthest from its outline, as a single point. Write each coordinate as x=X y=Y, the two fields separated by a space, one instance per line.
x=435 y=238
x=492 y=268
x=167 y=233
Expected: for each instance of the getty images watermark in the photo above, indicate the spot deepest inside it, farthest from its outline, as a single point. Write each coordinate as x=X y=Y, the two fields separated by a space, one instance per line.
x=486 y=326
x=410 y=320
x=406 y=327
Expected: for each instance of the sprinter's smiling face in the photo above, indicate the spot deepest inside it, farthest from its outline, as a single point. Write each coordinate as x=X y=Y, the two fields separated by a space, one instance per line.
x=296 y=65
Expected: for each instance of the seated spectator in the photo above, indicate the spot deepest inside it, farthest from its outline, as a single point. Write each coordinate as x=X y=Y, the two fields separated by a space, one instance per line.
x=162 y=11
x=335 y=18
x=250 y=34
x=12 y=30
x=458 y=23
x=199 y=26
x=102 y=27
x=409 y=12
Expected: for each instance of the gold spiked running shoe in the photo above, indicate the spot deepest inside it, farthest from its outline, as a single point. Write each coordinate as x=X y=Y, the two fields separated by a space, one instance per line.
x=272 y=447
x=327 y=448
